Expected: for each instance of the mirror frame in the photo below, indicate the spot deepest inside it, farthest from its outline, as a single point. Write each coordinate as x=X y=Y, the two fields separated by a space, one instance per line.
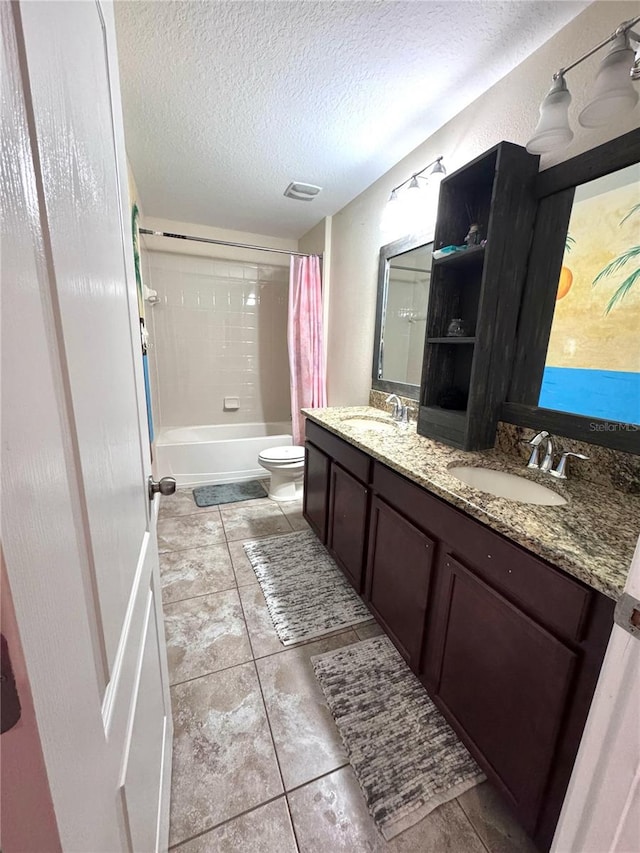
x=392 y=250
x=554 y=189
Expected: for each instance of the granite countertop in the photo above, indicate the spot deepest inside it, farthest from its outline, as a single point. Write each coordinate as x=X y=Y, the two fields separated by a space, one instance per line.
x=592 y=536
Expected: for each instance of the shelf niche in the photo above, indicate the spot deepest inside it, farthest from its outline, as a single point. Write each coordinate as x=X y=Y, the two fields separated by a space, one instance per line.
x=482 y=285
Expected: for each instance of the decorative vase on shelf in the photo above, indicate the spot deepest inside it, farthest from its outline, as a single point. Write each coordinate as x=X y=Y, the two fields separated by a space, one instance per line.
x=473 y=237
x=456 y=328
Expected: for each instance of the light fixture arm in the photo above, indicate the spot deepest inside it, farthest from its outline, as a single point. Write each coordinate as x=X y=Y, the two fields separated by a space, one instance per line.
x=419 y=173
x=623 y=29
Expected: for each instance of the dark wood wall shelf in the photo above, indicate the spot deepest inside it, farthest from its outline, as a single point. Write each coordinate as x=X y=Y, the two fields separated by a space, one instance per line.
x=451 y=339
x=482 y=285
x=465 y=258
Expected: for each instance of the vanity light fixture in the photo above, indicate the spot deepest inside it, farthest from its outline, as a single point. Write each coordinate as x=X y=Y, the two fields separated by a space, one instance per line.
x=612 y=93
x=406 y=201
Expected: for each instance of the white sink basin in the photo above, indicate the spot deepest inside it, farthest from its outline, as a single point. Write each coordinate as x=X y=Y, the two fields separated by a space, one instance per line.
x=509 y=486
x=362 y=422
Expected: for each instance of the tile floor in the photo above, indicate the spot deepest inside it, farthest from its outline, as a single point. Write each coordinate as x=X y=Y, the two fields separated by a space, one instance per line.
x=258 y=765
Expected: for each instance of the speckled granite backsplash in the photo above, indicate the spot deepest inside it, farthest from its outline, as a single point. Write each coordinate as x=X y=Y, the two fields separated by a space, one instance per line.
x=605 y=467
x=377 y=401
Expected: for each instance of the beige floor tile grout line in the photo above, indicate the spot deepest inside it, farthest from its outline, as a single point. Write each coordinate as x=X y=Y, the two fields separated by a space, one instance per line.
x=226 y=821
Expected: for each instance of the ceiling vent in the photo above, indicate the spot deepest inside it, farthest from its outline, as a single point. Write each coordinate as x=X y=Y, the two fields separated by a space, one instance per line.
x=302 y=192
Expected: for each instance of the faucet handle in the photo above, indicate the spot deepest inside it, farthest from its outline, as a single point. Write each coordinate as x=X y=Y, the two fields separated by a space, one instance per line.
x=404 y=414
x=560 y=470
x=536 y=440
x=534 y=444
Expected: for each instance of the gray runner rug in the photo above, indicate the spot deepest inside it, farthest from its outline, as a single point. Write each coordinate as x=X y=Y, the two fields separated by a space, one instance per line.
x=307 y=594
x=406 y=757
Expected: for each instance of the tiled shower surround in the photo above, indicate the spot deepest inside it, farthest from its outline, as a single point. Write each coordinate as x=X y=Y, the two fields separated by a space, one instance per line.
x=219 y=330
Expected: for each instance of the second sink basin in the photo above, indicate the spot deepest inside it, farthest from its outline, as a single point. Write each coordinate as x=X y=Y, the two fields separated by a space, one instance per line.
x=373 y=424
x=504 y=485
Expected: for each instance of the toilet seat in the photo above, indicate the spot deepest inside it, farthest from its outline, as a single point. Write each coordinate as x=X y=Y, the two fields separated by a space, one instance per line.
x=286 y=455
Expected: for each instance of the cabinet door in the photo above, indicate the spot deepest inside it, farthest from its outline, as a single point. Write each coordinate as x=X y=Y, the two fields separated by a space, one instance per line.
x=348 y=500
x=398 y=578
x=316 y=490
x=502 y=681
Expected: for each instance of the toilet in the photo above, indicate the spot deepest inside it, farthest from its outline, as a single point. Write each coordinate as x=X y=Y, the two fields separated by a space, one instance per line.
x=286 y=466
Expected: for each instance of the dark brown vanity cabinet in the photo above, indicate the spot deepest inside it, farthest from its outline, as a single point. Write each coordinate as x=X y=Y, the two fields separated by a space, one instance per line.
x=503 y=679
x=398 y=576
x=336 y=499
x=316 y=490
x=348 y=509
x=508 y=647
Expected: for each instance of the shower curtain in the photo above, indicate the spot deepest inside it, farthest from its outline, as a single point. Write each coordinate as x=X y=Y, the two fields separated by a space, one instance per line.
x=304 y=337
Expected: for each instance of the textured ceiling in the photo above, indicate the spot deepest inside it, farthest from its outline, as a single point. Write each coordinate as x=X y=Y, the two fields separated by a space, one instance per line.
x=227 y=101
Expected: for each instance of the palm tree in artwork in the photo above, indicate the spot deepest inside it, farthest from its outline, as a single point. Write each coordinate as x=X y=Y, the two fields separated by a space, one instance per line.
x=631 y=255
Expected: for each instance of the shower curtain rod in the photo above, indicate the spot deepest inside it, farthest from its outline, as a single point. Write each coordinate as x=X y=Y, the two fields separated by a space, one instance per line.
x=221 y=242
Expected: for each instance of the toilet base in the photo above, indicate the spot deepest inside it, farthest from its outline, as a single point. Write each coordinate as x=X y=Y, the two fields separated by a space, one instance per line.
x=282 y=488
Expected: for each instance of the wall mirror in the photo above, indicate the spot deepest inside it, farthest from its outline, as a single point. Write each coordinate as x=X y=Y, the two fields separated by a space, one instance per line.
x=577 y=366
x=404 y=276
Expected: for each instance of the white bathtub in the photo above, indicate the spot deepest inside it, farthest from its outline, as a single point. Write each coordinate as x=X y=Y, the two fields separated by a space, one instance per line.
x=216 y=454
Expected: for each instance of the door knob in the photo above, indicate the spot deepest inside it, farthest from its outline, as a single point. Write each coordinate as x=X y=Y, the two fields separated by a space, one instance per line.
x=166 y=486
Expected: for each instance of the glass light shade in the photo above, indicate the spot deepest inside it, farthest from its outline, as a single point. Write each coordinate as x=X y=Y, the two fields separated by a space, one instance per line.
x=613 y=91
x=437 y=173
x=413 y=198
x=553 y=131
x=389 y=220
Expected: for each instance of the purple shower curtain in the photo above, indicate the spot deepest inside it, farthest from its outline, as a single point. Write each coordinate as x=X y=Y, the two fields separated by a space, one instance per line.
x=304 y=336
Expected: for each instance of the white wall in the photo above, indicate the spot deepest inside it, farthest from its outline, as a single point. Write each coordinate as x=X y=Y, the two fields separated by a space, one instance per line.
x=509 y=110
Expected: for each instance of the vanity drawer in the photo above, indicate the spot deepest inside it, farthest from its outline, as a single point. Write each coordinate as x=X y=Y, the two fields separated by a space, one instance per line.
x=350 y=458
x=553 y=598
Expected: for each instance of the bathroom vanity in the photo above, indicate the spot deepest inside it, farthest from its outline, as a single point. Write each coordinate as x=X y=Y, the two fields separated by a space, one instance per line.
x=502 y=609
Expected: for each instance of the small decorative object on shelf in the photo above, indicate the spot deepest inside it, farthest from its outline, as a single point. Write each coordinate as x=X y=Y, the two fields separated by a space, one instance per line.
x=447 y=250
x=473 y=237
x=456 y=328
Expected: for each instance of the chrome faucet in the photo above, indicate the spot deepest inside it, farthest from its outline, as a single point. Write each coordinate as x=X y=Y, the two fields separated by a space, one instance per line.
x=560 y=471
x=534 y=460
x=398 y=408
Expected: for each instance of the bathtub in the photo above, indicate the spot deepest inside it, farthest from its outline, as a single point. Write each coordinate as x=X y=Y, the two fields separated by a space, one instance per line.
x=216 y=454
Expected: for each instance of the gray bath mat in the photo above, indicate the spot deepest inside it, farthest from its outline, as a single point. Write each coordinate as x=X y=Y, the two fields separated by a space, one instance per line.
x=406 y=757
x=307 y=594
x=228 y=493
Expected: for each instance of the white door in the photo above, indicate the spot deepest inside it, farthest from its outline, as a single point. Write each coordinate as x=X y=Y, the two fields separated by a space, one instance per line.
x=601 y=812
x=78 y=528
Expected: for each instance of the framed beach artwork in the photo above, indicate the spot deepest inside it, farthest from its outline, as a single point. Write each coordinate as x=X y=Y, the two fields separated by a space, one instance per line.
x=593 y=359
